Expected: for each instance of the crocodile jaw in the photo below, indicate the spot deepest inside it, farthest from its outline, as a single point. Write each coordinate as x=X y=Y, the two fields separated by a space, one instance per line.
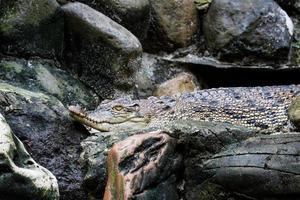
x=107 y=125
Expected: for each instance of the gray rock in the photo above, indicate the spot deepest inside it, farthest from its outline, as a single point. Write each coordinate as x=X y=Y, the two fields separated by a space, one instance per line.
x=102 y=53
x=154 y=71
x=20 y=176
x=265 y=167
x=31 y=28
x=258 y=28
x=133 y=15
x=173 y=24
x=197 y=141
x=42 y=75
x=43 y=125
x=141 y=161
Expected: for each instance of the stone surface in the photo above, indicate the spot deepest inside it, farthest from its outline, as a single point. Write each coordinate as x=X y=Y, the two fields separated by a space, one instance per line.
x=183 y=82
x=173 y=24
x=258 y=28
x=265 y=167
x=154 y=71
x=31 y=28
x=197 y=142
x=100 y=52
x=43 y=125
x=20 y=176
x=133 y=15
x=294 y=112
x=139 y=162
x=42 y=75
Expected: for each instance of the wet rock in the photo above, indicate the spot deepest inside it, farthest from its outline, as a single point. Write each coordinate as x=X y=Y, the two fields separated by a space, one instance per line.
x=265 y=167
x=43 y=125
x=154 y=71
x=248 y=28
x=42 y=75
x=173 y=25
x=139 y=162
x=31 y=28
x=294 y=112
x=197 y=142
x=184 y=82
x=100 y=52
x=20 y=176
x=133 y=15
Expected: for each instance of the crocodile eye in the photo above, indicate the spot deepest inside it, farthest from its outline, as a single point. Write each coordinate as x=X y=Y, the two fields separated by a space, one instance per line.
x=118 y=108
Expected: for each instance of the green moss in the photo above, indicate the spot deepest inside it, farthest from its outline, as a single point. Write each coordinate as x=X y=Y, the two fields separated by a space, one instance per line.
x=6 y=21
x=296 y=44
x=48 y=81
x=25 y=93
x=12 y=66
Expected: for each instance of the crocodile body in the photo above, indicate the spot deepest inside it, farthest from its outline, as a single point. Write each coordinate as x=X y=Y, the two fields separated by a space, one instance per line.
x=260 y=108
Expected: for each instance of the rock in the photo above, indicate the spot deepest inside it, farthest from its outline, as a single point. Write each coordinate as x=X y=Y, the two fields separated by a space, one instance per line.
x=184 y=82
x=258 y=28
x=133 y=15
x=173 y=25
x=42 y=75
x=294 y=112
x=31 y=28
x=197 y=142
x=21 y=177
x=139 y=162
x=102 y=53
x=43 y=125
x=153 y=72
x=265 y=167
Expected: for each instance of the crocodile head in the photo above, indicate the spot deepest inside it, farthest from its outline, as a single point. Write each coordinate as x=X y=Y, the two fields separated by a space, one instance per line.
x=120 y=114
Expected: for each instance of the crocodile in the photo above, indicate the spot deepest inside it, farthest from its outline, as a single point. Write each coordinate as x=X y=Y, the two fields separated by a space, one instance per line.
x=259 y=108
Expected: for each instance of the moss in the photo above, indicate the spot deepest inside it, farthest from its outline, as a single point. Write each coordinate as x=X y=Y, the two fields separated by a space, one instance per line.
x=25 y=93
x=12 y=66
x=6 y=24
x=48 y=81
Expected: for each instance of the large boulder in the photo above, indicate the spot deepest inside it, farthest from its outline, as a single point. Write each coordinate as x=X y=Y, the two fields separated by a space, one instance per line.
x=102 y=53
x=42 y=75
x=31 y=28
x=20 y=176
x=265 y=167
x=43 y=125
x=173 y=24
x=258 y=28
x=197 y=142
x=139 y=162
x=133 y=15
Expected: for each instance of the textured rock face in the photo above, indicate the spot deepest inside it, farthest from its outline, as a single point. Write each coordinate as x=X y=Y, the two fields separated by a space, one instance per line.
x=153 y=72
x=197 y=141
x=173 y=24
x=102 y=53
x=138 y=162
x=262 y=167
x=20 y=176
x=184 y=82
x=43 y=125
x=133 y=15
x=31 y=30
x=42 y=75
x=256 y=27
x=294 y=112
